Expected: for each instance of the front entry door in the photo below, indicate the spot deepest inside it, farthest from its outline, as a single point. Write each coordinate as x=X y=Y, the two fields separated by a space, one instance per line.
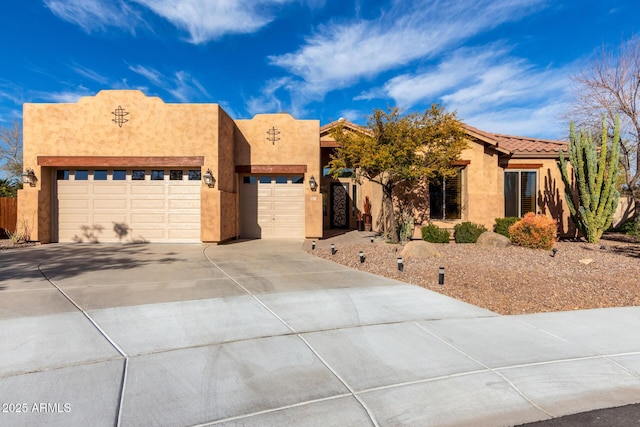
x=339 y=205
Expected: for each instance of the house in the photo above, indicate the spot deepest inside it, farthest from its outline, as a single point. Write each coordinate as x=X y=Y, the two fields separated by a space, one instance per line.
x=121 y=166
x=124 y=167
x=499 y=175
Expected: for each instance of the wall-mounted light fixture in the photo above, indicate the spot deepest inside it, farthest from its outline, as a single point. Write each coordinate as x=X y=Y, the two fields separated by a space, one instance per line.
x=208 y=178
x=312 y=183
x=29 y=177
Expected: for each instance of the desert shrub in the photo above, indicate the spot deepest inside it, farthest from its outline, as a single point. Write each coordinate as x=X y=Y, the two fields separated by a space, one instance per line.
x=502 y=225
x=467 y=232
x=534 y=231
x=431 y=233
x=631 y=228
x=405 y=226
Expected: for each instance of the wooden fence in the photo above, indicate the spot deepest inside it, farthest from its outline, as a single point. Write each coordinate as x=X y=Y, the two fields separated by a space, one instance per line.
x=8 y=215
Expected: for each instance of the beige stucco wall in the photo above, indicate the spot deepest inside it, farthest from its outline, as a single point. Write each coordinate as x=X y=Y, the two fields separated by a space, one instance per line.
x=154 y=128
x=298 y=144
x=550 y=198
x=484 y=180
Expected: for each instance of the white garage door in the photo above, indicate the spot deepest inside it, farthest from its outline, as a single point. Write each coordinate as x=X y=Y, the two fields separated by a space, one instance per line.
x=272 y=207
x=134 y=205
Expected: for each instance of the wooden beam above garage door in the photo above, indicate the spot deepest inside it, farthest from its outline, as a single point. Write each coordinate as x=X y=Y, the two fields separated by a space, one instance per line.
x=120 y=161
x=258 y=169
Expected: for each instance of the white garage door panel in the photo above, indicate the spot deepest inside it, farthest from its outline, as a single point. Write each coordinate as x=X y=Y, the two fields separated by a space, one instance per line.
x=112 y=189
x=272 y=210
x=152 y=211
x=182 y=204
x=151 y=234
x=75 y=218
x=109 y=204
x=74 y=188
x=181 y=220
x=109 y=217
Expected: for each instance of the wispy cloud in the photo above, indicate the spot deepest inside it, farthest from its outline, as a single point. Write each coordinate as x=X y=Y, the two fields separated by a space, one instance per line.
x=181 y=85
x=543 y=120
x=202 y=20
x=90 y=74
x=97 y=15
x=268 y=101
x=340 y=54
x=206 y=20
x=68 y=96
x=475 y=80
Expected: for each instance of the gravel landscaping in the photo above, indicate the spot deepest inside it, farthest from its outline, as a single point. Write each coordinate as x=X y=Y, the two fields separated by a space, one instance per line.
x=514 y=280
x=8 y=244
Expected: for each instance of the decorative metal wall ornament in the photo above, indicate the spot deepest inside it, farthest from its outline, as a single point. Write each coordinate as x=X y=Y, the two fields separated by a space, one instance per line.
x=119 y=116
x=272 y=135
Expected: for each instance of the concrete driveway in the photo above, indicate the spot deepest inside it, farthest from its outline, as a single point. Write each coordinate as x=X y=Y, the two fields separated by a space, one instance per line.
x=261 y=333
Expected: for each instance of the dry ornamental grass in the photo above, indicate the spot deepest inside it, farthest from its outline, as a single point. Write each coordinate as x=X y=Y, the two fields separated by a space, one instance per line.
x=515 y=280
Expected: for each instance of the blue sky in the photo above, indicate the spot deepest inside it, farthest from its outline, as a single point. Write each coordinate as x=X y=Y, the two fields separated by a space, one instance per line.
x=503 y=65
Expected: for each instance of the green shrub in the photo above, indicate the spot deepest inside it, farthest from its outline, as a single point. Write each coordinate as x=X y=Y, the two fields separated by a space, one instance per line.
x=467 y=232
x=502 y=225
x=534 y=231
x=631 y=228
x=431 y=233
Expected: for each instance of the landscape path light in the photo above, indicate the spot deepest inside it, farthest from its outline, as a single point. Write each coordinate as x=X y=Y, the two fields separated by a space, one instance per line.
x=554 y=251
x=361 y=255
x=400 y=264
x=313 y=245
x=333 y=249
x=441 y=276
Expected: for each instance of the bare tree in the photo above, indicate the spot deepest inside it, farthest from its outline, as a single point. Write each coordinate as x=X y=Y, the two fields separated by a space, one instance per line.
x=610 y=86
x=11 y=150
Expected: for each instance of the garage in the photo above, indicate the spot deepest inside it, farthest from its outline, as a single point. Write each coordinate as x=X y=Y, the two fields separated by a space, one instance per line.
x=128 y=205
x=272 y=207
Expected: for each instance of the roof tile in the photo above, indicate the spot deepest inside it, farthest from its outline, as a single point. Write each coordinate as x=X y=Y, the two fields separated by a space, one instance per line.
x=526 y=145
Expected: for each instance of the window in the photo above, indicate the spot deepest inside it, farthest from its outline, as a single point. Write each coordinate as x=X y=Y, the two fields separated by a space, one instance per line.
x=157 y=175
x=100 y=175
x=175 y=175
x=119 y=175
x=62 y=175
x=445 y=197
x=520 y=189
x=265 y=180
x=297 y=179
x=249 y=179
x=281 y=179
x=344 y=173
x=137 y=175
x=195 y=175
x=82 y=175
x=354 y=200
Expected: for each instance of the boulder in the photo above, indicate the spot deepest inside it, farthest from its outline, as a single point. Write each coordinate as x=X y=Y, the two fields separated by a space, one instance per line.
x=420 y=249
x=489 y=238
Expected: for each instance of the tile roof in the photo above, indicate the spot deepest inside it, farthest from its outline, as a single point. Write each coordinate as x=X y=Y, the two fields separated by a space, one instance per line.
x=526 y=145
x=507 y=144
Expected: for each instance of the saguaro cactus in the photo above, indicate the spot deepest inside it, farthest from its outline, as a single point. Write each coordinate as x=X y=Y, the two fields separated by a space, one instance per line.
x=596 y=176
